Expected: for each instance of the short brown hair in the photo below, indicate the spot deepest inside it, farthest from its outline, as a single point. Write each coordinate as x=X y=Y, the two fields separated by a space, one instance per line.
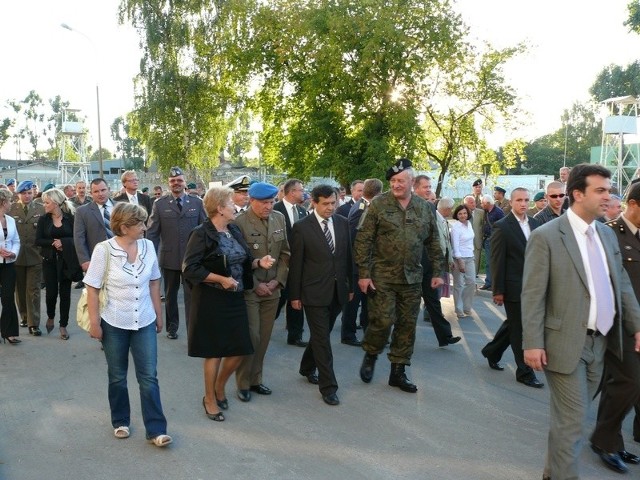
x=126 y=214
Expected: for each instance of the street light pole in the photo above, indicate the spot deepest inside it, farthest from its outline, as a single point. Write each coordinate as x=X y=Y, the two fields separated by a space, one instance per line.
x=64 y=25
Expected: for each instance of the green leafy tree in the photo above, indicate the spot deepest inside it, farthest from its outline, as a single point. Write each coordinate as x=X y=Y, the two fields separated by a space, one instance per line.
x=616 y=81
x=106 y=155
x=127 y=146
x=633 y=20
x=5 y=126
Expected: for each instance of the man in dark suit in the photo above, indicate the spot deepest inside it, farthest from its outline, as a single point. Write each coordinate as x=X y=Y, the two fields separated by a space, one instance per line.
x=357 y=187
x=320 y=279
x=290 y=207
x=621 y=385
x=508 y=243
x=577 y=301
x=431 y=296
x=131 y=194
x=91 y=224
x=173 y=216
x=372 y=188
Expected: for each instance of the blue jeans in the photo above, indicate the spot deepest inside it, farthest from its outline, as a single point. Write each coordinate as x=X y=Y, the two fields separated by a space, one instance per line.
x=144 y=349
x=487 y=256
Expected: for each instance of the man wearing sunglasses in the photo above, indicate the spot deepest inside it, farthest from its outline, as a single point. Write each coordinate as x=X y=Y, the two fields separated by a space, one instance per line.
x=555 y=203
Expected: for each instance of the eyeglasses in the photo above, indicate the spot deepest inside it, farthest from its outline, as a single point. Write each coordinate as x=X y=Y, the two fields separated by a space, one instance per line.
x=132 y=180
x=556 y=195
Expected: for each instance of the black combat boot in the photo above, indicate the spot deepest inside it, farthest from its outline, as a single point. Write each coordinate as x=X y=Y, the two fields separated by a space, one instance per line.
x=368 y=364
x=397 y=378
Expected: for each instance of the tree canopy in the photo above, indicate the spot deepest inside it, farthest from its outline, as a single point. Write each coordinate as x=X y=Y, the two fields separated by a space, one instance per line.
x=333 y=87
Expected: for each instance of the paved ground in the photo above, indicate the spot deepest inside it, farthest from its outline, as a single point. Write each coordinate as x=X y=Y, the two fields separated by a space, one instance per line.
x=465 y=422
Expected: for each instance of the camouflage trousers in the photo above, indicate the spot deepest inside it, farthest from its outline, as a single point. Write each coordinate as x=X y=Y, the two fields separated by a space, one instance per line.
x=397 y=306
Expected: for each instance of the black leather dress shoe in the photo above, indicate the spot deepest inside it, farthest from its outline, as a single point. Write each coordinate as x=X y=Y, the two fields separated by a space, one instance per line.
x=485 y=287
x=611 y=460
x=23 y=324
x=297 y=343
x=531 y=382
x=450 y=341
x=260 y=389
x=172 y=336
x=629 y=457
x=353 y=343
x=331 y=399
x=311 y=377
x=495 y=365
x=244 y=395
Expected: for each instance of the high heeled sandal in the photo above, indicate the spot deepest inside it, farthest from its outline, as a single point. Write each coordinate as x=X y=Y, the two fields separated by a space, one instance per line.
x=63 y=333
x=216 y=417
x=49 y=326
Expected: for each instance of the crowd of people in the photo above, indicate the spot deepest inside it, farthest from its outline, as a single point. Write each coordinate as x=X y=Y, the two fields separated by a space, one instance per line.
x=246 y=251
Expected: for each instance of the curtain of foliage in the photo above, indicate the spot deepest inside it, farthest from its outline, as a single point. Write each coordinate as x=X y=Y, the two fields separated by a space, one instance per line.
x=469 y=97
x=617 y=81
x=127 y=147
x=343 y=82
x=186 y=88
x=633 y=20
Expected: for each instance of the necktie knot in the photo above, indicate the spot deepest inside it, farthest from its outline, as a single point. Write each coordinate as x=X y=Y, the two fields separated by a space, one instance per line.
x=589 y=233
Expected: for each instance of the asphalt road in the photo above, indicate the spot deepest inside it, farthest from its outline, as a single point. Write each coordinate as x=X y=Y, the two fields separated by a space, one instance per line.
x=466 y=421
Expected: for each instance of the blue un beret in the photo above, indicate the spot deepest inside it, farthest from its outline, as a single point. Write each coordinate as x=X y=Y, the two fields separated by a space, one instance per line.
x=11 y=181
x=262 y=191
x=24 y=185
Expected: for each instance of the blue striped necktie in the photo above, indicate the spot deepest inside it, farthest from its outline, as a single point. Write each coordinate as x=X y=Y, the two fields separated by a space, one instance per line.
x=327 y=235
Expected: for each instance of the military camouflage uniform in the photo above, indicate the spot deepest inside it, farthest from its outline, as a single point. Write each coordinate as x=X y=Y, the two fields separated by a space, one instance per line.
x=388 y=249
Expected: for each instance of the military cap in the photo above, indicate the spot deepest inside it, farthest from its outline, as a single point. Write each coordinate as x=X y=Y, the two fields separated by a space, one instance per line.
x=538 y=196
x=145 y=189
x=48 y=186
x=24 y=185
x=175 y=172
x=401 y=165
x=477 y=182
x=191 y=186
x=240 y=184
x=11 y=181
x=262 y=190
x=500 y=189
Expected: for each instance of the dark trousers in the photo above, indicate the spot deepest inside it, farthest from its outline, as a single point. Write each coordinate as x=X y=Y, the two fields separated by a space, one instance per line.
x=172 y=281
x=350 y=314
x=295 y=318
x=9 y=315
x=620 y=392
x=318 y=353
x=509 y=334
x=55 y=287
x=431 y=297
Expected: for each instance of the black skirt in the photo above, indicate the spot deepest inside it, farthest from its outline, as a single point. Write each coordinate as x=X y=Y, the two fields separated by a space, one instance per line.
x=218 y=323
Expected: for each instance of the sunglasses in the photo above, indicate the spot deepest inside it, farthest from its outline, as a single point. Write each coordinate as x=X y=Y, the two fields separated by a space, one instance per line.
x=557 y=195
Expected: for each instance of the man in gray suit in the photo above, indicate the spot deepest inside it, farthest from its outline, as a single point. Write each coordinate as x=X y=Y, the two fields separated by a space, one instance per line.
x=91 y=224
x=173 y=216
x=577 y=301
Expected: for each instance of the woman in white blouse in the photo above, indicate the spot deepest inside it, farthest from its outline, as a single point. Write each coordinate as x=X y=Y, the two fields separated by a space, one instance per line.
x=130 y=320
x=464 y=268
x=9 y=249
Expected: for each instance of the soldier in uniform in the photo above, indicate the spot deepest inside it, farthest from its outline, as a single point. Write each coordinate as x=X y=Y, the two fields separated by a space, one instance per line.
x=540 y=202
x=388 y=249
x=500 y=201
x=621 y=382
x=27 y=214
x=173 y=216
x=264 y=230
x=240 y=197
x=477 y=192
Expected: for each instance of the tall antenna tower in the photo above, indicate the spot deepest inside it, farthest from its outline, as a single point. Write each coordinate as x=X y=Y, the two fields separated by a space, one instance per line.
x=73 y=136
x=621 y=119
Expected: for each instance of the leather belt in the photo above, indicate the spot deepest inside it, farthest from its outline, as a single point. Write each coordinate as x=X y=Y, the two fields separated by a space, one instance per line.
x=593 y=333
